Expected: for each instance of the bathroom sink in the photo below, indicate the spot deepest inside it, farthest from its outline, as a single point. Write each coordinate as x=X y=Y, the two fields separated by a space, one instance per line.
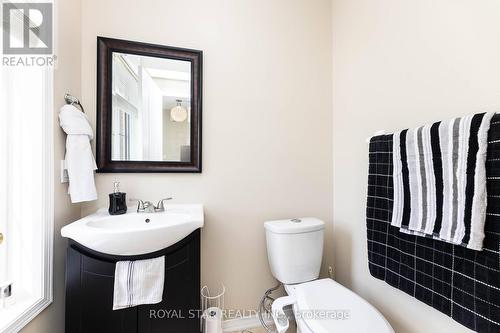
x=135 y=233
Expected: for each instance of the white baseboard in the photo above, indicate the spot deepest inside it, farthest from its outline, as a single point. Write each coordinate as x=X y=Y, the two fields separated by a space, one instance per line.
x=241 y=324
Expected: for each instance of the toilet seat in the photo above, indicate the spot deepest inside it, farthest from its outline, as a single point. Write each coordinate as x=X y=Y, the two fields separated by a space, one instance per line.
x=325 y=306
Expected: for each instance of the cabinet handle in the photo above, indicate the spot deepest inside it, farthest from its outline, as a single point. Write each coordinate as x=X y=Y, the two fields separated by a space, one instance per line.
x=1 y=238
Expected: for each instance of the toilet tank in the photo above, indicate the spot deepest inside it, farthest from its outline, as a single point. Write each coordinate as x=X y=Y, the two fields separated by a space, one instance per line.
x=295 y=249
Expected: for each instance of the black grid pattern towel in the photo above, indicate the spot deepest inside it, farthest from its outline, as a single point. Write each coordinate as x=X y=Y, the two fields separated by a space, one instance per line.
x=462 y=283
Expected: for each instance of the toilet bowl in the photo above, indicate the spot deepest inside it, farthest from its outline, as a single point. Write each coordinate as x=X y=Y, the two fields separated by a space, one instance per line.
x=325 y=306
x=295 y=249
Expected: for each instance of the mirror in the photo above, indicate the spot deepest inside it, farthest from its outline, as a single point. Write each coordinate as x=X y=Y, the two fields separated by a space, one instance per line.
x=149 y=108
x=151 y=105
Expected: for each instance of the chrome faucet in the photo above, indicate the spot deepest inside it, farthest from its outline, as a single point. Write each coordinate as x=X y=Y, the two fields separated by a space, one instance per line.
x=145 y=207
x=160 y=207
x=149 y=207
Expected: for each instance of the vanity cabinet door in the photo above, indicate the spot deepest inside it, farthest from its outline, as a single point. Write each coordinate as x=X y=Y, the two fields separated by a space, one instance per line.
x=90 y=286
x=89 y=298
x=179 y=310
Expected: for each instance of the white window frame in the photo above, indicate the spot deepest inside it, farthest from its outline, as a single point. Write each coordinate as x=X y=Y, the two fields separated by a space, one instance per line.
x=27 y=308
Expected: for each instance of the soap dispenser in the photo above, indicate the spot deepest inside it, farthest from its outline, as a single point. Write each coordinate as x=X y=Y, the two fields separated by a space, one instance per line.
x=117 y=201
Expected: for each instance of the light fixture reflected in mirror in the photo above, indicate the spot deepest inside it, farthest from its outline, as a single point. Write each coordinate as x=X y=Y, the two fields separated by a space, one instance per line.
x=178 y=113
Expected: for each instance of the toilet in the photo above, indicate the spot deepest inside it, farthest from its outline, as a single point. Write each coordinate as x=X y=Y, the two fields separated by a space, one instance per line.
x=295 y=250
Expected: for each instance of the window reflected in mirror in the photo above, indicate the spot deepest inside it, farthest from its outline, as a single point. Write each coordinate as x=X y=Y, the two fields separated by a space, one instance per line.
x=151 y=109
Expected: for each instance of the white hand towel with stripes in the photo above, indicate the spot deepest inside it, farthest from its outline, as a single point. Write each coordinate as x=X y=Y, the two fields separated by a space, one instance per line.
x=439 y=175
x=138 y=282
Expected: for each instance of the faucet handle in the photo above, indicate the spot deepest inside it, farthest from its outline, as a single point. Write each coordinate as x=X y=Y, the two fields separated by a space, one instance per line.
x=160 y=207
x=140 y=204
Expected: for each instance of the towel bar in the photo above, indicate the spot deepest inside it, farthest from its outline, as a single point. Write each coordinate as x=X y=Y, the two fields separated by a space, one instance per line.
x=381 y=132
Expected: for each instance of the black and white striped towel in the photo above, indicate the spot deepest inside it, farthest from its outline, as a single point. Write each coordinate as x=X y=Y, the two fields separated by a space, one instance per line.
x=440 y=180
x=138 y=282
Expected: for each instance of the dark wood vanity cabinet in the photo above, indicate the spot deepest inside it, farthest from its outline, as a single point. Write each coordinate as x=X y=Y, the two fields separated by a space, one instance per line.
x=90 y=285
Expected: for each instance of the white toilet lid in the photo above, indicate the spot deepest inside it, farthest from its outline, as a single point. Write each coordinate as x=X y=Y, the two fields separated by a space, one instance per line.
x=326 y=306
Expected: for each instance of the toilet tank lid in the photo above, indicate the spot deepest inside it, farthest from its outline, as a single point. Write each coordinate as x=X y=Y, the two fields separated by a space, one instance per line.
x=295 y=225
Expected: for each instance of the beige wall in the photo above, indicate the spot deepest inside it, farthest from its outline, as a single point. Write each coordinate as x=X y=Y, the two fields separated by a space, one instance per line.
x=267 y=124
x=267 y=118
x=66 y=79
x=396 y=64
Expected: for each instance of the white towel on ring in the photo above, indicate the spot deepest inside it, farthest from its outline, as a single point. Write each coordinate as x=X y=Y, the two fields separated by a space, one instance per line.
x=80 y=161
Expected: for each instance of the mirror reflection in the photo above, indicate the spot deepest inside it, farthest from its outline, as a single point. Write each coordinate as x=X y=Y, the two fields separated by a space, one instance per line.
x=151 y=109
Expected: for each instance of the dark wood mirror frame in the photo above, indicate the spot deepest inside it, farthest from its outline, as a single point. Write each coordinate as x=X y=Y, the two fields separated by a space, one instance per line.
x=105 y=49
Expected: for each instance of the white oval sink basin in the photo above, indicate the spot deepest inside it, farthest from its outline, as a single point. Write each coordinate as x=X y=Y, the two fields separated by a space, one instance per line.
x=135 y=233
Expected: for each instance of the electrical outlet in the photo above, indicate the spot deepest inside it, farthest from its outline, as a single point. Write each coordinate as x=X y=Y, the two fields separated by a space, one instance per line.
x=64 y=173
x=330 y=272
